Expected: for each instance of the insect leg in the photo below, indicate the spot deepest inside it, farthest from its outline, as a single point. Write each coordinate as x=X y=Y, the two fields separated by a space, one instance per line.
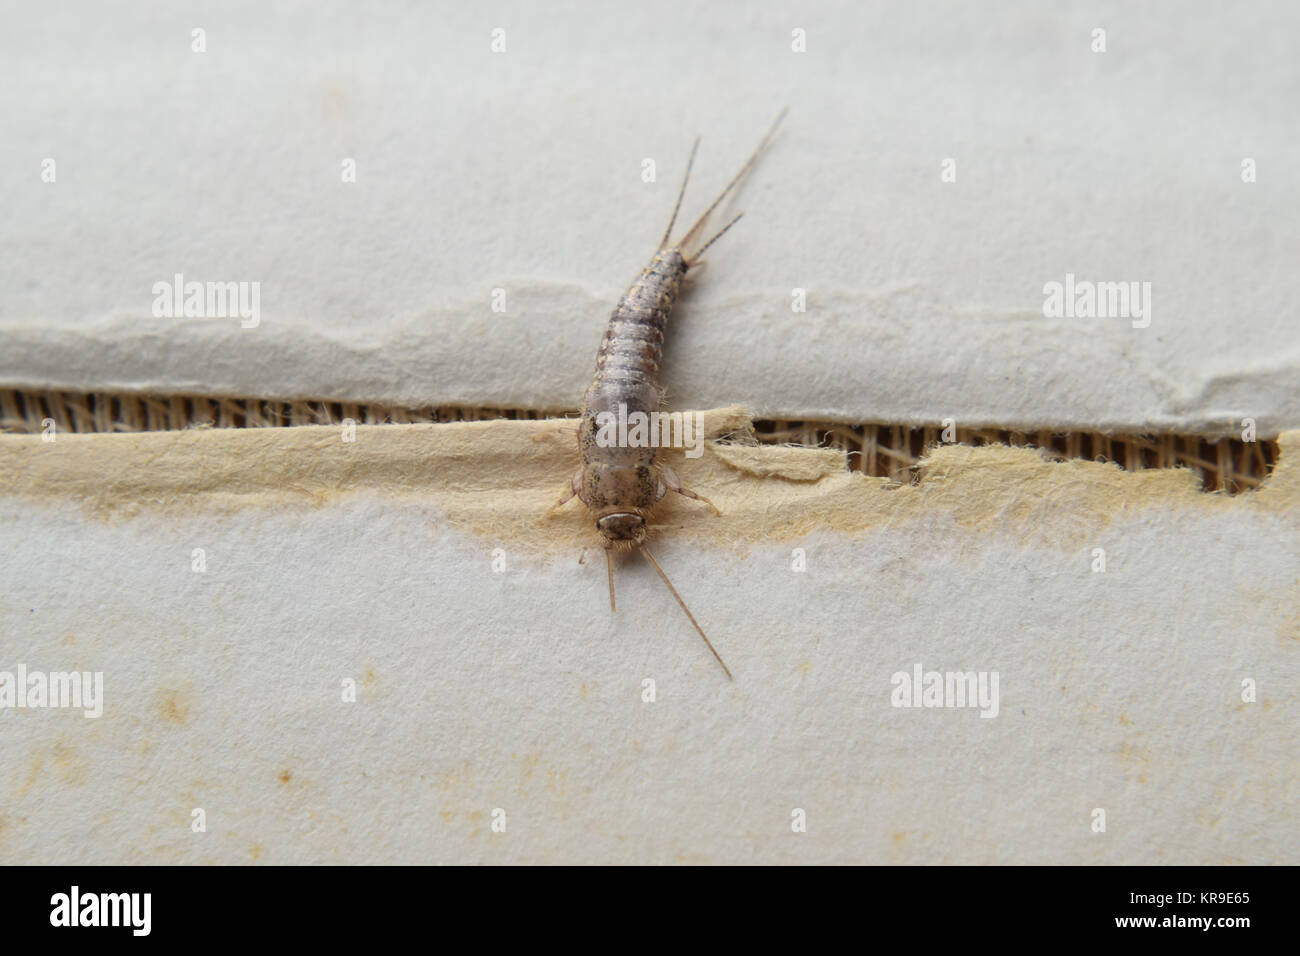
x=575 y=486
x=670 y=480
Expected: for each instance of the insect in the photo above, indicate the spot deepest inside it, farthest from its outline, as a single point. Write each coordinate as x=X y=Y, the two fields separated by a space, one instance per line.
x=621 y=485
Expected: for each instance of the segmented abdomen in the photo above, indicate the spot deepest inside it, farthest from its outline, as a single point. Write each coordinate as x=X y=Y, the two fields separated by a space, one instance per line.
x=624 y=477
x=627 y=365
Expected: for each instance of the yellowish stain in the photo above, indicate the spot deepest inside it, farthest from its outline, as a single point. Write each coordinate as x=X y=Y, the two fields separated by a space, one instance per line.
x=455 y=778
x=556 y=780
x=528 y=763
x=1130 y=754
x=70 y=767
x=691 y=859
x=33 y=771
x=173 y=704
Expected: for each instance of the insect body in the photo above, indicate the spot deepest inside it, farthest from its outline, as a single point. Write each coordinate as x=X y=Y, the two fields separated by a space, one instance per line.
x=621 y=484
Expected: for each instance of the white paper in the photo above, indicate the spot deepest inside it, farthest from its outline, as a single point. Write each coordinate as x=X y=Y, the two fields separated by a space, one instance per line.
x=493 y=684
x=522 y=171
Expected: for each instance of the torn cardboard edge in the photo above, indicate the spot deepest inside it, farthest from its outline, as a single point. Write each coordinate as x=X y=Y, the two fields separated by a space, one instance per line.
x=497 y=479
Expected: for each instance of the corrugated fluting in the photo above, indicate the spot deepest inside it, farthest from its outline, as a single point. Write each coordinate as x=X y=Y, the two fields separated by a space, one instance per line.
x=1224 y=464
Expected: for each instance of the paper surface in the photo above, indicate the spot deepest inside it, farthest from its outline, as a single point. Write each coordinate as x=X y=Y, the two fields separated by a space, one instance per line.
x=522 y=171
x=493 y=685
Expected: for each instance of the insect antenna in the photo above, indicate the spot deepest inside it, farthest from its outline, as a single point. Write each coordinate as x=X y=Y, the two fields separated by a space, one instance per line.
x=682 y=604
x=735 y=181
x=609 y=567
x=680 y=193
